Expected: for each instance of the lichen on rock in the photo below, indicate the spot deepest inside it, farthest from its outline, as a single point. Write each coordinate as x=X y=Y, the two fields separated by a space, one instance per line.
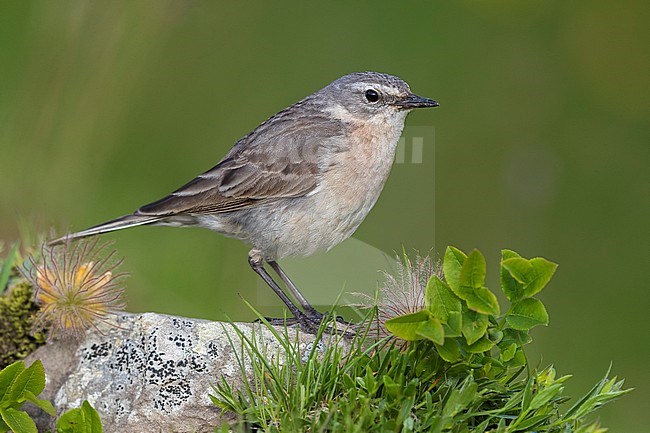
x=152 y=372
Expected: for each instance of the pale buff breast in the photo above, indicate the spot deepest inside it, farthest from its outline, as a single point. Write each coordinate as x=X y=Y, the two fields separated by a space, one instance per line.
x=359 y=174
x=350 y=188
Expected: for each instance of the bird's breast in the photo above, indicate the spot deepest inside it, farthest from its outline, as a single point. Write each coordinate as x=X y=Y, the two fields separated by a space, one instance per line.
x=355 y=177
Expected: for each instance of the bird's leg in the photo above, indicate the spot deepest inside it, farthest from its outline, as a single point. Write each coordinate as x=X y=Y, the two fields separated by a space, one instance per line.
x=310 y=311
x=257 y=263
x=308 y=321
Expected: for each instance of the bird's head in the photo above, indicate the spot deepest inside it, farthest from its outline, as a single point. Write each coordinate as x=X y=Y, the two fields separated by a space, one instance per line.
x=370 y=95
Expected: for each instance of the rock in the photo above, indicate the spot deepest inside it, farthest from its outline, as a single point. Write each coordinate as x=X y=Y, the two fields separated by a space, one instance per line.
x=149 y=372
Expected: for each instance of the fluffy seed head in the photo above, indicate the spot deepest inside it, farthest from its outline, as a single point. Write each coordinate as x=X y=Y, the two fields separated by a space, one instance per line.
x=403 y=290
x=76 y=286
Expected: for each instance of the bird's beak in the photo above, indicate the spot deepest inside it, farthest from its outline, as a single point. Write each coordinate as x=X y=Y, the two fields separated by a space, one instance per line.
x=411 y=101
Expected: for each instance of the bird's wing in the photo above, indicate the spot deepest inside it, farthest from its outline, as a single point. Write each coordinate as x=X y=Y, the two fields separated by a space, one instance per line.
x=279 y=159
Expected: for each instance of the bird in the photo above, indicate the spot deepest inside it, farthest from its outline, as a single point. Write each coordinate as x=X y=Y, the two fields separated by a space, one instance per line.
x=301 y=182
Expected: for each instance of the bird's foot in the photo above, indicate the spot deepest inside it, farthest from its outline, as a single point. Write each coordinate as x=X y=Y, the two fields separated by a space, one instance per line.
x=311 y=321
x=278 y=321
x=316 y=316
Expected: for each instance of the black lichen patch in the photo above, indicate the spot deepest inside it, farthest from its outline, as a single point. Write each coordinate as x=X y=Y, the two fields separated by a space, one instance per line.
x=214 y=350
x=96 y=351
x=156 y=365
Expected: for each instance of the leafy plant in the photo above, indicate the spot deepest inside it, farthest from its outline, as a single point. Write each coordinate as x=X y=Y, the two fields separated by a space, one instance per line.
x=84 y=419
x=462 y=316
x=20 y=384
x=463 y=370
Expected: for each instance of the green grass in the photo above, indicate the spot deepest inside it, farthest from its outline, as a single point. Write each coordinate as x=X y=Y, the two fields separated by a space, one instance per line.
x=384 y=386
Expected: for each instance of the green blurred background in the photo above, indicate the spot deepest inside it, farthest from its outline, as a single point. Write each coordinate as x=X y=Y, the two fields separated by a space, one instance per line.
x=542 y=145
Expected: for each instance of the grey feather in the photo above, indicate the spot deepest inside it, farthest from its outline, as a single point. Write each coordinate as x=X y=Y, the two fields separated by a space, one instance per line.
x=275 y=162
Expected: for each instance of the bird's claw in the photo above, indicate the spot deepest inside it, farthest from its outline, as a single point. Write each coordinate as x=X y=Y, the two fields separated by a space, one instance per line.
x=311 y=322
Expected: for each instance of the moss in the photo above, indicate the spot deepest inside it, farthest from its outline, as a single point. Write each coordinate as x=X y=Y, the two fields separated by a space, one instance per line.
x=17 y=314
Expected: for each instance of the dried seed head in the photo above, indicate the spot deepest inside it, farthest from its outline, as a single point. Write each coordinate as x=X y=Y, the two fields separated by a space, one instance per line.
x=76 y=286
x=403 y=291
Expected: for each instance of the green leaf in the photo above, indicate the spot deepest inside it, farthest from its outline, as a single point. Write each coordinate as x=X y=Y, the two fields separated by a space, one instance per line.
x=509 y=254
x=470 y=288
x=31 y=379
x=474 y=326
x=7 y=377
x=449 y=351
x=39 y=402
x=526 y=314
x=526 y=425
x=508 y=353
x=80 y=420
x=472 y=273
x=432 y=330
x=7 y=264
x=603 y=392
x=392 y=389
x=520 y=338
x=459 y=399
x=543 y=271
x=440 y=299
x=480 y=300
x=71 y=422
x=513 y=289
x=534 y=274
x=454 y=325
x=18 y=421
x=594 y=391
x=495 y=335
x=91 y=417
x=545 y=395
x=480 y=346
x=483 y=301
x=405 y=326
x=597 y=401
x=528 y=394
x=519 y=360
x=451 y=266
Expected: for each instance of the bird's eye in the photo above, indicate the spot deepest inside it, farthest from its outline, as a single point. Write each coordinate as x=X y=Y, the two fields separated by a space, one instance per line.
x=372 y=95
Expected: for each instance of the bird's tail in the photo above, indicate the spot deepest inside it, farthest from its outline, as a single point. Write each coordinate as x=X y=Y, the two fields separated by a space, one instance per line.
x=116 y=224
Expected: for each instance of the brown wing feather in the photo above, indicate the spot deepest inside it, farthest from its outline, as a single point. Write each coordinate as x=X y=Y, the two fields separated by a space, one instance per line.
x=279 y=159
